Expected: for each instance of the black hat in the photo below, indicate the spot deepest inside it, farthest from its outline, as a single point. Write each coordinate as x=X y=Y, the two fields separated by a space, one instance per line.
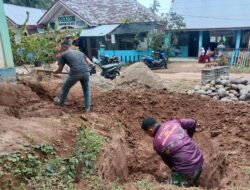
x=65 y=43
x=147 y=123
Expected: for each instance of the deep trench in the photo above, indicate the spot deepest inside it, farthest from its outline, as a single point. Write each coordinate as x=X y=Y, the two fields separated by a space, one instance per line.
x=126 y=156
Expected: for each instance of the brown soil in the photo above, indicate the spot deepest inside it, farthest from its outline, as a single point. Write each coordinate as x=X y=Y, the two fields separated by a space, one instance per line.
x=138 y=76
x=219 y=124
x=29 y=117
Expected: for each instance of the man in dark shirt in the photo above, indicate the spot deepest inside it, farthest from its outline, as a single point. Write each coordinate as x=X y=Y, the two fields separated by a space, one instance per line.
x=79 y=71
x=173 y=142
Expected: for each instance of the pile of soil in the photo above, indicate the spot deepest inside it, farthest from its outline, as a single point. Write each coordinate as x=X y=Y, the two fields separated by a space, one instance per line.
x=98 y=81
x=28 y=116
x=139 y=76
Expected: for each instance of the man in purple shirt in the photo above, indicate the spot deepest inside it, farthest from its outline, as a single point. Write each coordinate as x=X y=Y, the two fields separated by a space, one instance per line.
x=173 y=142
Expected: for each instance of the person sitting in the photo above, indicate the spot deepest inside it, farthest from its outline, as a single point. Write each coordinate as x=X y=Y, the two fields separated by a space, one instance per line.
x=209 y=54
x=202 y=57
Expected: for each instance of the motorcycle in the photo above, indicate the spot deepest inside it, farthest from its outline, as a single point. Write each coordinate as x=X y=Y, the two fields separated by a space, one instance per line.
x=105 y=60
x=92 y=69
x=109 y=71
x=153 y=63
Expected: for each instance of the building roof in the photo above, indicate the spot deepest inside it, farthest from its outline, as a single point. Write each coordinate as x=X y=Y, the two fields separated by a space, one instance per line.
x=17 y=14
x=134 y=28
x=99 y=31
x=213 y=14
x=98 y=12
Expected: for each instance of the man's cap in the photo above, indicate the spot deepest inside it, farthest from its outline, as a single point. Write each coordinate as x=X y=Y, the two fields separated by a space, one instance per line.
x=147 y=123
x=65 y=43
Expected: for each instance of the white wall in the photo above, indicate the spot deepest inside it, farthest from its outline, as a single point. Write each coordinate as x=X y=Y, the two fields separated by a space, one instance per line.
x=62 y=11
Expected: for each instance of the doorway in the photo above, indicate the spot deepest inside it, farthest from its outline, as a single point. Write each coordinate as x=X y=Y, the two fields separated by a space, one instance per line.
x=193 y=43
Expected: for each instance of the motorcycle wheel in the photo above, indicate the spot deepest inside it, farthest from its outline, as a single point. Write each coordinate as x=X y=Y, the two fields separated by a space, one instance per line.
x=165 y=65
x=148 y=64
x=116 y=73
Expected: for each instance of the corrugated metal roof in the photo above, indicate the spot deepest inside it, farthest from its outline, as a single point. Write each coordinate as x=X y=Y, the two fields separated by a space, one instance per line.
x=134 y=28
x=17 y=14
x=200 y=14
x=99 y=30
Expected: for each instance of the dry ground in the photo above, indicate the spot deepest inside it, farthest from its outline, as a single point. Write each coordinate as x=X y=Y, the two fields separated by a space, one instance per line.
x=181 y=76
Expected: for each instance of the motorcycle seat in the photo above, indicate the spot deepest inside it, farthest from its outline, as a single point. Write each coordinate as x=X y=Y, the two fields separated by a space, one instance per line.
x=157 y=61
x=109 y=66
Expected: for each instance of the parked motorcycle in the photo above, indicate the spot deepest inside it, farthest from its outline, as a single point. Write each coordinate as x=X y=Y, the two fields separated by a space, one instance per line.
x=105 y=60
x=92 y=69
x=153 y=63
x=109 y=71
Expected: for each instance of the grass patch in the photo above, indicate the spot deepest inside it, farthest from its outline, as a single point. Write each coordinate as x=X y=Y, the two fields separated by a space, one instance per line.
x=246 y=170
x=41 y=167
x=240 y=70
x=144 y=184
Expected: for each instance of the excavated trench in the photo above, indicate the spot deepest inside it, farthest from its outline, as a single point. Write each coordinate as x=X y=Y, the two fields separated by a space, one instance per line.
x=130 y=157
x=222 y=132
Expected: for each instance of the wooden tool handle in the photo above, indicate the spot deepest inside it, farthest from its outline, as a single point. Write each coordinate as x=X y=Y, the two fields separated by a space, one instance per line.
x=49 y=71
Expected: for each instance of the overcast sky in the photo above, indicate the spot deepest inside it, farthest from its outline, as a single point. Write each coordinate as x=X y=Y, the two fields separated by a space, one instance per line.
x=165 y=4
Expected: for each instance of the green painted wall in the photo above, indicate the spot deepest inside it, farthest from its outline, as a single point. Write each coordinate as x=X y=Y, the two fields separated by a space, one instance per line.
x=7 y=60
x=167 y=40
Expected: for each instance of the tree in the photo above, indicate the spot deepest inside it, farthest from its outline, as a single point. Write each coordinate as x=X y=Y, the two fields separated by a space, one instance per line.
x=32 y=3
x=157 y=41
x=155 y=6
x=174 y=24
x=171 y=23
x=174 y=21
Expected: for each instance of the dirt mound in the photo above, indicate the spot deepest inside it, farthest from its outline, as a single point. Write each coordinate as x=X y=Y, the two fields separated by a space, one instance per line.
x=13 y=95
x=139 y=75
x=98 y=81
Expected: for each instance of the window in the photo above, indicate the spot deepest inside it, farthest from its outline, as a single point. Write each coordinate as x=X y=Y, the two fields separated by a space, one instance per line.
x=228 y=37
x=245 y=41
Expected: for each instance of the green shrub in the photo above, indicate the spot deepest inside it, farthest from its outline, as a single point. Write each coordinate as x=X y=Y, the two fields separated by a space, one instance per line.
x=41 y=167
x=44 y=48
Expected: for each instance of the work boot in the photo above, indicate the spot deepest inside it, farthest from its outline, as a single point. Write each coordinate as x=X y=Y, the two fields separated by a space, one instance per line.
x=57 y=101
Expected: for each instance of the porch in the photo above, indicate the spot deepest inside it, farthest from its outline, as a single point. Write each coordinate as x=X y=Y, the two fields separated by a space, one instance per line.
x=189 y=43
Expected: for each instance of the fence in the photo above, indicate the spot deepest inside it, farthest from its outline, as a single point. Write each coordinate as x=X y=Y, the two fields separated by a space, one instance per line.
x=127 y=56
x=236 y=57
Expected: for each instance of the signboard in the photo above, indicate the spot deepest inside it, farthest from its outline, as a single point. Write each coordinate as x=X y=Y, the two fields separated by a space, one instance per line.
x=113 y=39
x=213 y=39
x=66 y=20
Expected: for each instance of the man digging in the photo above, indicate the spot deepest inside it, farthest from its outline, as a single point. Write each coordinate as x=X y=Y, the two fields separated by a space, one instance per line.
x=173 y=142
x=79 y=71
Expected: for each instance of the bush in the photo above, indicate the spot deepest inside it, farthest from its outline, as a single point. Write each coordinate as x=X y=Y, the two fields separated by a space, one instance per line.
x=157 y=41
x=223 y=60
x=44 y=48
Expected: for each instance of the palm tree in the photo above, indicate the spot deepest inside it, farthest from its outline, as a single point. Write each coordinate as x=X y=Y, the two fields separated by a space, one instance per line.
x=155 y=6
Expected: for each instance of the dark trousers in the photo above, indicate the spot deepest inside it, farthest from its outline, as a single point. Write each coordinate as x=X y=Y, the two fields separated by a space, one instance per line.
x=71 y=81
x=184 y=181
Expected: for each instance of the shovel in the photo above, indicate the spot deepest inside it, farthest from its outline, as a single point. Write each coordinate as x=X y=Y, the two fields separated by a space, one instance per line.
x=49 y=71
x=40 y=78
